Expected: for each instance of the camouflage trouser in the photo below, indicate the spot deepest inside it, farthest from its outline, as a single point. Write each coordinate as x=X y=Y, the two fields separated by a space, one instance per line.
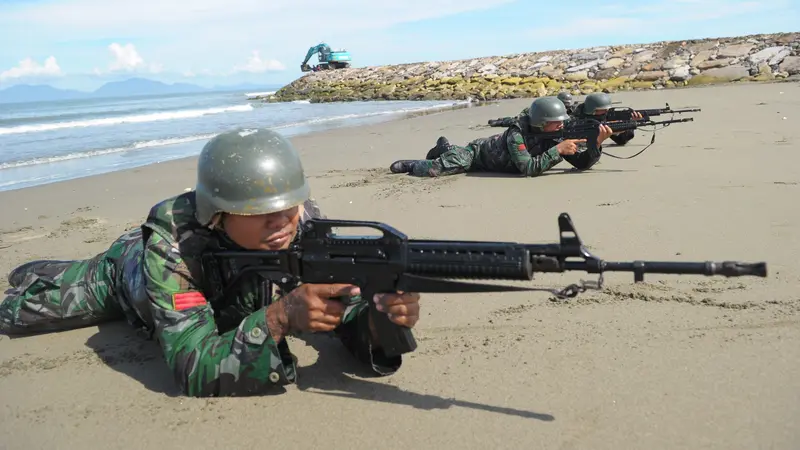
x=65 y=295
x=454 y=161
x=622 y=138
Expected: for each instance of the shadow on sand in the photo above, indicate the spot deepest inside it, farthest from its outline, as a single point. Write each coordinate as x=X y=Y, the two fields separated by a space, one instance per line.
x=123 y=350
x=335 y=373
x=551 y=172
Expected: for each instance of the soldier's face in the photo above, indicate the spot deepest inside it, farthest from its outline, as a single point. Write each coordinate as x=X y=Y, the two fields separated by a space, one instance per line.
x=600 y=112
x=272 y=231
x=549 y=127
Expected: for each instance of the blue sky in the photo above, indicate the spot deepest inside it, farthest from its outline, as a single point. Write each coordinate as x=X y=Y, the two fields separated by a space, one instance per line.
x=84 y=43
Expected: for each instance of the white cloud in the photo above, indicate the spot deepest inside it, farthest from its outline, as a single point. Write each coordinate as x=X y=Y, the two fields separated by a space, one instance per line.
x=257 y=65
x=125 y=58
x=28 y=68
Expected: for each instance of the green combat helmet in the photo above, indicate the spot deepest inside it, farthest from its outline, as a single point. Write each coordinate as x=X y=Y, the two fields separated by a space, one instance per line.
x=546 y=109
x=249 y=172
x=595 y=101
x=566 y=98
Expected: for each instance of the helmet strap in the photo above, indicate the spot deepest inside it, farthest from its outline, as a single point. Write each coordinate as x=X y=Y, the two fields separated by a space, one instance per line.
x=216 y=221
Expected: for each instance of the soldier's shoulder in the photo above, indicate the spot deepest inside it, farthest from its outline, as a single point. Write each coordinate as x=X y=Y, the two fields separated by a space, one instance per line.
x=173 y=215
x=514 y=132
x=513 y=137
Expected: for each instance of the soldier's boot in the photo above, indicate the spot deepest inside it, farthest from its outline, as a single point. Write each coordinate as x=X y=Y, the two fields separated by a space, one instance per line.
x=442 y=145
x=39 y=267
x=402 y=166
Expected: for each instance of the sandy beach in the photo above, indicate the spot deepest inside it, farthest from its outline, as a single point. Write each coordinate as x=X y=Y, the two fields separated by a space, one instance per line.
x=679 y=362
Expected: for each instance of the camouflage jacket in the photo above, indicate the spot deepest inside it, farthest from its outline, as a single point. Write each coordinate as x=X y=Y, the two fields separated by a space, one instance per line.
x=222 y=347
x=516 y=151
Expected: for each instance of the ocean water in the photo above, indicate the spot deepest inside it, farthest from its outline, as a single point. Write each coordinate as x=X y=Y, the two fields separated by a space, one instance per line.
x=45 y=142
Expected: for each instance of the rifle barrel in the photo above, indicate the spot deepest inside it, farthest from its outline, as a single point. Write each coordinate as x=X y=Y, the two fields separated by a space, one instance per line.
x=708 y=268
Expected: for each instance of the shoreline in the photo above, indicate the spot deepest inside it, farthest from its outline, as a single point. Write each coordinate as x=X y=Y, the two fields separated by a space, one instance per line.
x=168 y=152
x=161 y=171
x=674 y=362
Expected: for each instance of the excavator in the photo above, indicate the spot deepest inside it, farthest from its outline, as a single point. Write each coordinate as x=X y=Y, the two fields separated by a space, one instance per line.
x=328 y=60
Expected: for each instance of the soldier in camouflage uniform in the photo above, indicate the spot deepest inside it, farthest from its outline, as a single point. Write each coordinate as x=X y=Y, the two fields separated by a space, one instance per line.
x=565 y=97
x=517 y=150
x=595 y=106
x=251 y=193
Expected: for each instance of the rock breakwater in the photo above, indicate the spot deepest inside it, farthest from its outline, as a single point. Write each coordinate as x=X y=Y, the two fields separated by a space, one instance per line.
x=668 y=64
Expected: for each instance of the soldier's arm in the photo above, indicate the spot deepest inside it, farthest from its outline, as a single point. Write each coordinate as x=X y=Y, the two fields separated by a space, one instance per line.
x=623 y=137
x=509 y=121
x=530 y=166
x=502 y=122
x=354 y=332
x=242 y=361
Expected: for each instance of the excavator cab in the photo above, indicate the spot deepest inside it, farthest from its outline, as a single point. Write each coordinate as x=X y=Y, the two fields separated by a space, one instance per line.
x=325 y=54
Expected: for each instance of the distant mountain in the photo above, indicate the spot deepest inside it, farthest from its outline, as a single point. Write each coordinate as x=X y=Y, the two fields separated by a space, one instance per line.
x=143 y=86
x=38 y=93
x=126 y=88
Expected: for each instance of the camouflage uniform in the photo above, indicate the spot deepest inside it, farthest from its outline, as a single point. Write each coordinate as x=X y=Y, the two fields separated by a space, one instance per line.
x=152 y=277
x=509 y=152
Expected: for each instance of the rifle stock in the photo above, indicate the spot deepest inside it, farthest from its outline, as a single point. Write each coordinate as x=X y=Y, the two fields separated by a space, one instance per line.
x=392 y=262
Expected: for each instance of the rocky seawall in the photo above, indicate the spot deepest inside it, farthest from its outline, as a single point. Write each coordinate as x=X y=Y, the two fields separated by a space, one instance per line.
x=755 y=58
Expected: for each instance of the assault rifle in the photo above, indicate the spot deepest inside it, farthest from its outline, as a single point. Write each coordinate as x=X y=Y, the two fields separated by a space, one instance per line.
x=589 y=129
x=625 y=113
x=391 y=261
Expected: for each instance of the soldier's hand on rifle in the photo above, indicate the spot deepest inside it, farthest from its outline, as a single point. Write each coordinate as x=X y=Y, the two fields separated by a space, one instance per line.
x=635 y=115
x=605 y=133
x=309 y=307
x=569 y=146
x=402 y=307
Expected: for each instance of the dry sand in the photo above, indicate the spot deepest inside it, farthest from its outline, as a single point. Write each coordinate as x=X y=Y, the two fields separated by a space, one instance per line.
x=681 y=362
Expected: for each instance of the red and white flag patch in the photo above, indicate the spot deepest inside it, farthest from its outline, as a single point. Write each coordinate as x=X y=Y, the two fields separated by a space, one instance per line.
x=186 y=300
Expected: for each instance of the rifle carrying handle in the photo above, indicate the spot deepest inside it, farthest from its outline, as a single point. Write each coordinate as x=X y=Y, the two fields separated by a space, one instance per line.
x=392 y=338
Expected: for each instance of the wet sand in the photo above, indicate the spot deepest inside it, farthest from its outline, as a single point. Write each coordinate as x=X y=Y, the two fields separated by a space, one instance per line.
x=676 y=362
